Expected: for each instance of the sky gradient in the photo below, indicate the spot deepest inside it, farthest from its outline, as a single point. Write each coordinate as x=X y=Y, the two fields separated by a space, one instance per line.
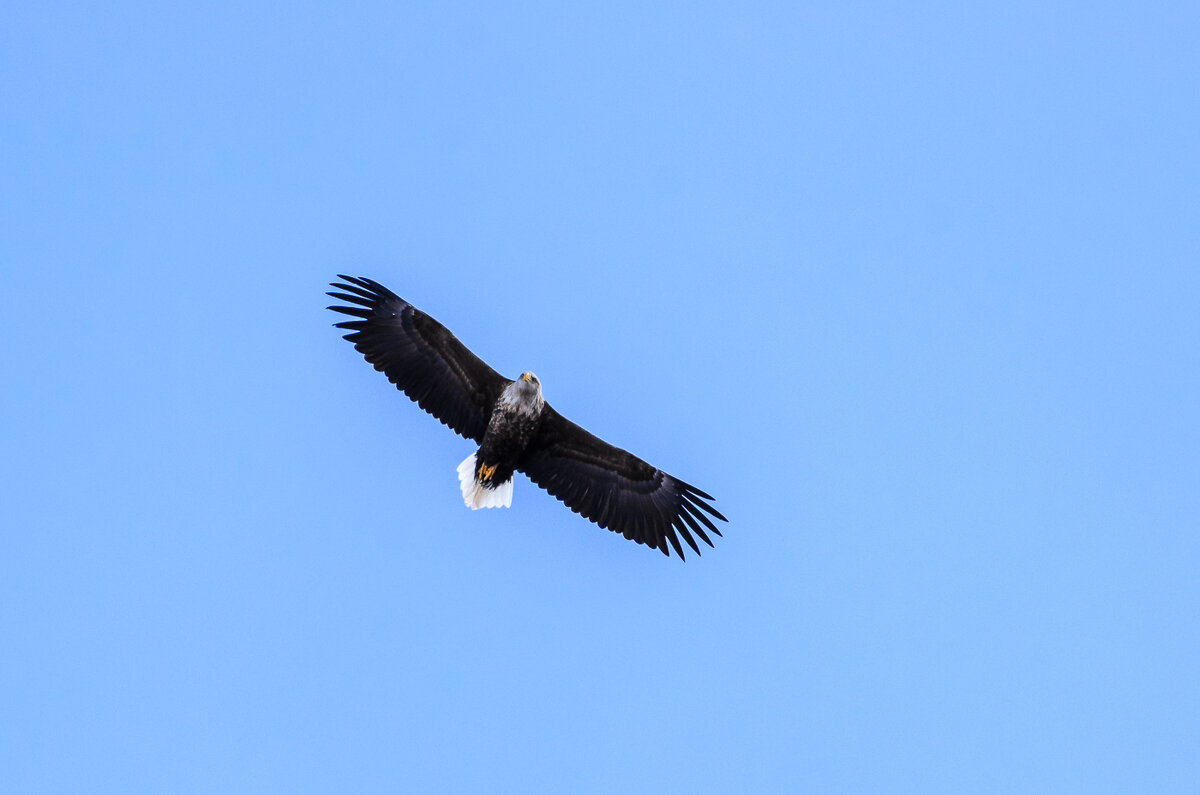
x=911 y=290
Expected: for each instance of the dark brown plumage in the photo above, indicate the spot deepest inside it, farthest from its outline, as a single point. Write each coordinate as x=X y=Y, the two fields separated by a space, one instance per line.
x=516 y=429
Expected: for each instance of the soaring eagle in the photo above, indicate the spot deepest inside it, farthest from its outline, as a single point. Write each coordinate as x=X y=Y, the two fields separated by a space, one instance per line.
x=516 y=429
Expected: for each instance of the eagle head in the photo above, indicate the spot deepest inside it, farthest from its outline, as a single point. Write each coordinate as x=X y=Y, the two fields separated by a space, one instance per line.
x=524 y=394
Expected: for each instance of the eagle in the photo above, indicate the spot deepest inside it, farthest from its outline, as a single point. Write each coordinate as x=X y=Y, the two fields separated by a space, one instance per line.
x=516 y=429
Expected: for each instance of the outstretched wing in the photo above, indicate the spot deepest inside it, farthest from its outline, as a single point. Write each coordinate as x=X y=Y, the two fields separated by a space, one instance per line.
x=615 y=489
x=419 y=355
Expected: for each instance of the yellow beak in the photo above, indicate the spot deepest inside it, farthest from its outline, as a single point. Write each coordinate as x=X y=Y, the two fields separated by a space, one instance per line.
x=526 y=376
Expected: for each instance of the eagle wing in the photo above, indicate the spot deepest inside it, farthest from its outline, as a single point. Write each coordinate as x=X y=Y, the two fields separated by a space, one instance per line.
x=419 y=355
x=615 y=489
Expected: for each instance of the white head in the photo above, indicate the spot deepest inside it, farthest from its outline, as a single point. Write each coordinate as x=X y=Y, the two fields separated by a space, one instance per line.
x=524 y=395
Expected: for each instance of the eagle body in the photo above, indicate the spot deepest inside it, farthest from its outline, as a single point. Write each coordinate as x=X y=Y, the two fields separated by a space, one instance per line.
x=513 y=423
x=516 y=430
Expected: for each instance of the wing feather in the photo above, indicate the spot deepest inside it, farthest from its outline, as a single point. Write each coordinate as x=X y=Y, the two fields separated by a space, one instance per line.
x=419 y=355
x=616 y=489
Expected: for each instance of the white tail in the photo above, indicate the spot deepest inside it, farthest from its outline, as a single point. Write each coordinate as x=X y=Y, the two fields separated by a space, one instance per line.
x=476 y=495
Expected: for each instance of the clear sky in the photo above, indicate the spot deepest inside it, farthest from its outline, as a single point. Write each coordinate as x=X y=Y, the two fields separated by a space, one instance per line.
x=912 y=290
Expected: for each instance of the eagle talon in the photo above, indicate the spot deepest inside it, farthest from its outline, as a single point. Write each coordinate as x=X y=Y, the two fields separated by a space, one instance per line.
x=486 y=472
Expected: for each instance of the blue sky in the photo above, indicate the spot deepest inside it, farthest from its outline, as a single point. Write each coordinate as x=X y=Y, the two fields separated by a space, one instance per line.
x=911 y=290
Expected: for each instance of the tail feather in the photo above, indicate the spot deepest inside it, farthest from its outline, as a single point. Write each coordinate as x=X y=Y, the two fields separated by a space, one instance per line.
x=476 y=495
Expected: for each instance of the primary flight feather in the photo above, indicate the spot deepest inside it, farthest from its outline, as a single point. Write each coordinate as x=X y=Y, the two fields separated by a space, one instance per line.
x=516 y=429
